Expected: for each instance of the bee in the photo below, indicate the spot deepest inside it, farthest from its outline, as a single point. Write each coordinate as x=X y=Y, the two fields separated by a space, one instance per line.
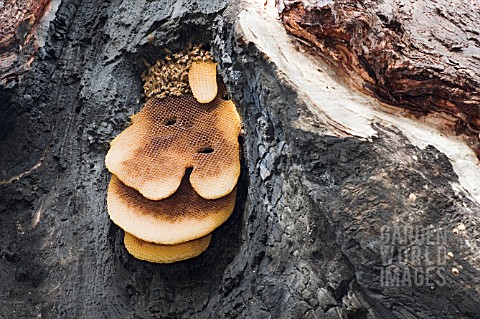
x=169 y=77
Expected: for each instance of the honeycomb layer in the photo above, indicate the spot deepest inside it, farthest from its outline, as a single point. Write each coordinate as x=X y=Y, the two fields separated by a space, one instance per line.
x=165 y=254
x=202 y=78
x=170 y=135
x=181 y=217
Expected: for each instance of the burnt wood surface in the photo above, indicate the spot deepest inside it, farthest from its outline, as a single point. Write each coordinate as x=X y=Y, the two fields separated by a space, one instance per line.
x=305 y=238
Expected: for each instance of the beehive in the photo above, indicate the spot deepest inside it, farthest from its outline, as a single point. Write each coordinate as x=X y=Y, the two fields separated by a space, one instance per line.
x=176 y=167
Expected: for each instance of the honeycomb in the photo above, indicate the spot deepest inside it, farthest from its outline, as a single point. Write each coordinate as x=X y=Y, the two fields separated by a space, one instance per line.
x=165 y=253
x=181 y=217
x=202 y=78
x=170 y=135
x=175 y=169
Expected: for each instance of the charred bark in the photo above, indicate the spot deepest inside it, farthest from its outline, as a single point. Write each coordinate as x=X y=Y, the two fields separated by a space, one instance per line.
x=305 y=240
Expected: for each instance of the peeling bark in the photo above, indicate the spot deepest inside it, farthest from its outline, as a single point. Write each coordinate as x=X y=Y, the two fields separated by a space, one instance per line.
x=18 y=20
x=420 y=55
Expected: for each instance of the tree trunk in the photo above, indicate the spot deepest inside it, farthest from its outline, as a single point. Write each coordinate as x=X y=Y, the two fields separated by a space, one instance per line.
x=332 y=179
x=420 y=55
x=19 y=21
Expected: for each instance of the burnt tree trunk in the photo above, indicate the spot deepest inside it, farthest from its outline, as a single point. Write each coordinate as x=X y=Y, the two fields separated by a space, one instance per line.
x=329 y=173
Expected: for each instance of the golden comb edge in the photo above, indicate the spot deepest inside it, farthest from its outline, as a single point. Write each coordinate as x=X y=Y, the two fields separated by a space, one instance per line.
x=165 y=254
x=202 y=78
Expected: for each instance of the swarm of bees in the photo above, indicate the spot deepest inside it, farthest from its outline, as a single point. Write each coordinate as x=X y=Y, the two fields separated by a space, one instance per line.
x=169 y=77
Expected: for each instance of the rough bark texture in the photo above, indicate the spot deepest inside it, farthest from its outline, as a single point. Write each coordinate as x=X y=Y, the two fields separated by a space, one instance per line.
x=420 y=55
x=305 y=237
x=17 y=36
